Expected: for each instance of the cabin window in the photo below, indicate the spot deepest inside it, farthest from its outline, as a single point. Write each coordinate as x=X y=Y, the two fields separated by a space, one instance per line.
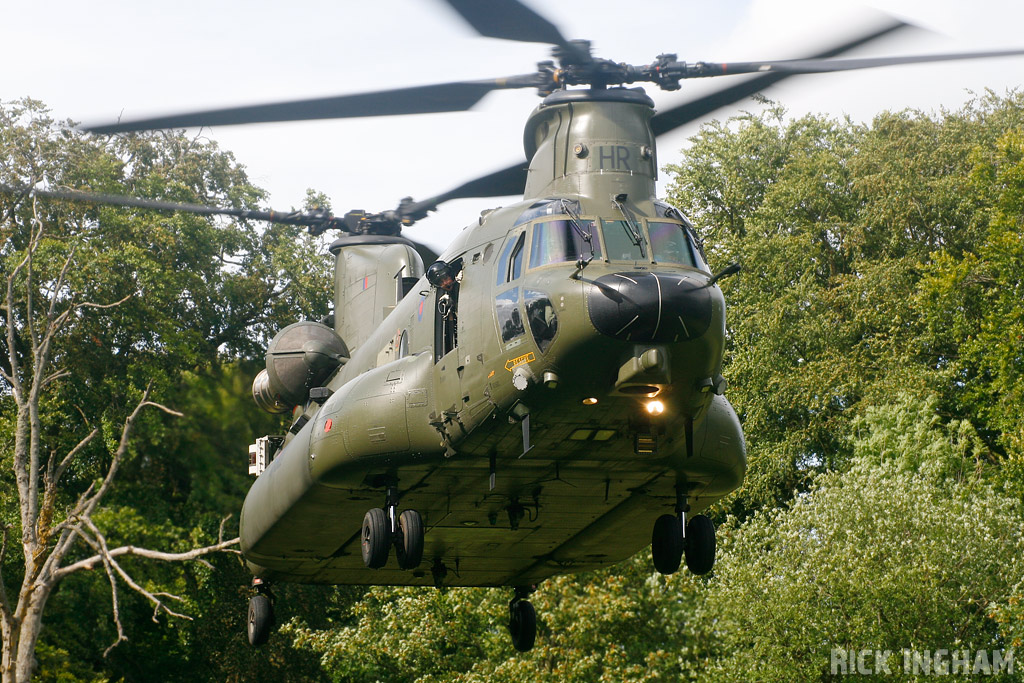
x=623 y=242
x=669 y=244
x=509 y=319
x=541 y=316
x=559 y=241
x=510 y=265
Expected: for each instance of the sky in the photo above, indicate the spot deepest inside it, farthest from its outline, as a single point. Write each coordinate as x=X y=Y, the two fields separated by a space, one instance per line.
x=95 y=61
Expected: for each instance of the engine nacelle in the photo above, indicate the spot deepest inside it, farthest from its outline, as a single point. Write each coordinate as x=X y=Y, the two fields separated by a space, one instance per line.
x=301 y=356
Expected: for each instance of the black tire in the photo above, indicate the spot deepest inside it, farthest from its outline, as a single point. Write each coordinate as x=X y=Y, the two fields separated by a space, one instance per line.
x=700 y=545
x=260 y=619
x=522 y=624
x=376 y=538
x=667 y=544
x=409 y=548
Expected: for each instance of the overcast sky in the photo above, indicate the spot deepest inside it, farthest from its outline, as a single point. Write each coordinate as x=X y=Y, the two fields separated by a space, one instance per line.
x=93 y=61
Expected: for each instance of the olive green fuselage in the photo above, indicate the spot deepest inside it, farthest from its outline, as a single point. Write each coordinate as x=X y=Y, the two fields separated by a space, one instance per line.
x=575 y=315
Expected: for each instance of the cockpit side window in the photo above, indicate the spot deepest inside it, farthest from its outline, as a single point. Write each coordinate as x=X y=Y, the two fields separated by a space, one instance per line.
x=510 y=265
x=515 y=267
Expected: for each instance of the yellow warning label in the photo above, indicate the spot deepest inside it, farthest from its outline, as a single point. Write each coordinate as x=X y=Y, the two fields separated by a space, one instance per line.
x=515 y=362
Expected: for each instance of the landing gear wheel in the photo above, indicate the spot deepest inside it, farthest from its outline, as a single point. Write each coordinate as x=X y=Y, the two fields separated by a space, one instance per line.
x=700 y=545
x=260 y=619
x=409 y=543
x=667 y=544
x=522 y=624
x=376 y=537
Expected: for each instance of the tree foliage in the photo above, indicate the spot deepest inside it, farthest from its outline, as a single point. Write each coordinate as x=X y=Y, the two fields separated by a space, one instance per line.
x=908 y=548
x=843 y=231
x=105 y=309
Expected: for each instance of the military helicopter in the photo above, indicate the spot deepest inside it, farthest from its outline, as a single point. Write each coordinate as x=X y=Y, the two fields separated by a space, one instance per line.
x=547 y=397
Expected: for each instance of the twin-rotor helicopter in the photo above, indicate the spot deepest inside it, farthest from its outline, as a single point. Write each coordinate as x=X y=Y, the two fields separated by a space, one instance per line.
x=547 y=396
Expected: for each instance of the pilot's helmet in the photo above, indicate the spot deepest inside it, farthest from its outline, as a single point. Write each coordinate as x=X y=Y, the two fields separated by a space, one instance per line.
x=439 y=274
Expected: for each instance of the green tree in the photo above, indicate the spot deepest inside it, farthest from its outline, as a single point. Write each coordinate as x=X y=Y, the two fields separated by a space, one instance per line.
x=836 y=225
x=624 y=623
x=104 y=308
x=910 y=547
x=974 y=303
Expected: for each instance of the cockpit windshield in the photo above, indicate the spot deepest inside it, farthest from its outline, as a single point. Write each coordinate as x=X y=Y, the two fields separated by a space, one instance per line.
x=669 y=244
x=560 y=240
x=623 y=242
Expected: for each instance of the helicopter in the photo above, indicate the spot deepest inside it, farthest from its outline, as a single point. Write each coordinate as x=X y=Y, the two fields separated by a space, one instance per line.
x=544 y=397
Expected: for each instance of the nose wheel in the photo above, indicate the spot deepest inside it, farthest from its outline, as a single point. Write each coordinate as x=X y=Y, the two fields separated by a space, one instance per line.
x=673 y=538
x=384 y=527
x=522 y=620
x=260 y=617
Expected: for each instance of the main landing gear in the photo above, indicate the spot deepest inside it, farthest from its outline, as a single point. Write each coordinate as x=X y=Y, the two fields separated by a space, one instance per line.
x=522 y=619
x=384 y=527
x=673 y=538
x=260 y=619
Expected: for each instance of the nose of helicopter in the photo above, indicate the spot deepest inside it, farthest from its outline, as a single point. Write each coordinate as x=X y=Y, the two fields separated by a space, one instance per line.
x=649 y=307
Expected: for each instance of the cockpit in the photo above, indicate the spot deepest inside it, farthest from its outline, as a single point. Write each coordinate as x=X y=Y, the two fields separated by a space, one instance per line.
x=649 y=255
x=558 y=234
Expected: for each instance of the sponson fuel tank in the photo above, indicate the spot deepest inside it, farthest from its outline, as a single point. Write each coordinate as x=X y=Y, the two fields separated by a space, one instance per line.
x=380 y=417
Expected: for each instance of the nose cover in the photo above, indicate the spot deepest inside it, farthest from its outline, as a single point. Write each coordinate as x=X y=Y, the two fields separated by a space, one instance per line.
x=649 y=307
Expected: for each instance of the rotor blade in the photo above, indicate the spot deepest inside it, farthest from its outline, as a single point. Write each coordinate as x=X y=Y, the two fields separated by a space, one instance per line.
x=508 y=19
x=815 y=66
x=290 y=218
x=512 y=180
x=680 y=115
x=441 y=97
x=507 y=181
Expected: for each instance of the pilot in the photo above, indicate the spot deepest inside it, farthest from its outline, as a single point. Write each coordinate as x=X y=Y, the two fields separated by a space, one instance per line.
x=439 y=274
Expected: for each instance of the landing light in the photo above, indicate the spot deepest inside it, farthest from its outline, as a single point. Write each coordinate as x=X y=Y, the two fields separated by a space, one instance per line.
x=655 y=407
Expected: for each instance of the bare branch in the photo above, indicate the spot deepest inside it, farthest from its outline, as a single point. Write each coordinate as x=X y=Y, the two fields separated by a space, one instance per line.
x=98 y=544
x=53 y=476
x=60 y=282
x=220 y=529
x=14 y=377
x=115 y=605
x=90 y=304
x=95 y=560
x=106 y=557
x=122 y=449
x=53 y=377
x=169 y=411
x=34 y=242
x=5 y=605
x=90 y=498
